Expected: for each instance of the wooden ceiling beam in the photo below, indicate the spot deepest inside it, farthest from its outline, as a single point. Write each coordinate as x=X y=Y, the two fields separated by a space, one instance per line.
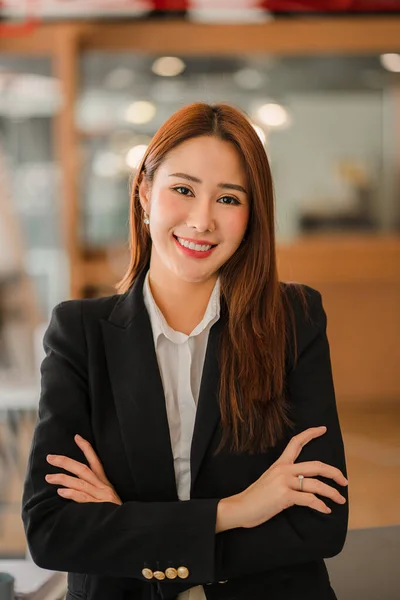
x=281 y=36
x=345 y=35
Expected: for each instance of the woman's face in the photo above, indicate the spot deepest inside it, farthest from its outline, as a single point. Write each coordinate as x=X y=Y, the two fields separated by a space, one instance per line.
x=199 y=196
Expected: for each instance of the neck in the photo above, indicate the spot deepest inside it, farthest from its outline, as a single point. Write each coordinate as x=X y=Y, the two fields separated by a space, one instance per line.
x=182 y=303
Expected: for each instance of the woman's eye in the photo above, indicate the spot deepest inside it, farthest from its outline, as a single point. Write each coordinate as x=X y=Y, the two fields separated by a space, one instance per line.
x=229 y=200
x=182 y=189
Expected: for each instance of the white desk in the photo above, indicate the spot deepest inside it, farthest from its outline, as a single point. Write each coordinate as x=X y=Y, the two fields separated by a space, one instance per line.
x=33 y=582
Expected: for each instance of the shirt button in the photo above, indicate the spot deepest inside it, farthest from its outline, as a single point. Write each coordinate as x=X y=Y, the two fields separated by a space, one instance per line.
x=183 y=572
x=160 y=575
x=171 y=573
x=147 y=573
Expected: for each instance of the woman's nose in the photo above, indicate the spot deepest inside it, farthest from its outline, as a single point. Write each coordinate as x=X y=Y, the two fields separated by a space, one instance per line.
x=201 y=216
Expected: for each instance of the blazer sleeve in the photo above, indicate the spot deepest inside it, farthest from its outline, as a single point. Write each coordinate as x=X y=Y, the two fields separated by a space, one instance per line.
x=99 y=538
x=298 y=534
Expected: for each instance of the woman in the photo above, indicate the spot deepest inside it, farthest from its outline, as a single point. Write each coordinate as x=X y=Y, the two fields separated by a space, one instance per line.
x=195 y=390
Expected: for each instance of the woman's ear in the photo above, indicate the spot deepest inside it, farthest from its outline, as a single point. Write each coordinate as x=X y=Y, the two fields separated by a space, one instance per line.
x=144 y=194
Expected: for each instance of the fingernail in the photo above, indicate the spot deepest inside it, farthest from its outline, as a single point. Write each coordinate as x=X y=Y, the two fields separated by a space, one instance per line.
x=50 y=456
x=78 y=437
x=61 y=492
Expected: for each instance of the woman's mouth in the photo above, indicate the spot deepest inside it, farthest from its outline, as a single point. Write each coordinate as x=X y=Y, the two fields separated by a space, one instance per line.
x=192 y=249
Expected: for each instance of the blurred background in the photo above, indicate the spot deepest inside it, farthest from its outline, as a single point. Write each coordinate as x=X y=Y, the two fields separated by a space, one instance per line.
x=85 y=84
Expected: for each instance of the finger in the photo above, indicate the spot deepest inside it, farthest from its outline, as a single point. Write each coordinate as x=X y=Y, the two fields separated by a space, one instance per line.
x=76 y=496
x=78 y=485
x=297 y=442
x=315 y=468
x=307 y=499
x=314 y=486
x=93 y=459
x=73 y=466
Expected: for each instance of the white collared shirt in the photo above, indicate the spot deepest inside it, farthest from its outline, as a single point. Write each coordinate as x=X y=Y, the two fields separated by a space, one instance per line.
x=180 y=360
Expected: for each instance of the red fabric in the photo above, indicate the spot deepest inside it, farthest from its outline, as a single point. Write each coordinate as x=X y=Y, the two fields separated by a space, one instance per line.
x=172 y=5
x=332 y=5
x=23 y=27
x=382 y=5
x=299 y=5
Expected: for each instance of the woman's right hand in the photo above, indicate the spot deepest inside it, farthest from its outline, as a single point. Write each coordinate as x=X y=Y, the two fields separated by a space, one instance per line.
x=278 y=488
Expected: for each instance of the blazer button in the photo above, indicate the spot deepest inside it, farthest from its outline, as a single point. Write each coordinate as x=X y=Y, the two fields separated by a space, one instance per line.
x=160 y=575
x=183 y=572
x=225 y=581
x=147 y=573
x=171 y=573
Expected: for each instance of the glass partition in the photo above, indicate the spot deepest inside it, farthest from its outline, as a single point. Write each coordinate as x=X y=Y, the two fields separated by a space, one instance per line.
x=326 y=122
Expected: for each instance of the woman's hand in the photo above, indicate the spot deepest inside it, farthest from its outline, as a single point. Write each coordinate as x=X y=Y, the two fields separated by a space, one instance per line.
x=278 y=488
x=91 y=483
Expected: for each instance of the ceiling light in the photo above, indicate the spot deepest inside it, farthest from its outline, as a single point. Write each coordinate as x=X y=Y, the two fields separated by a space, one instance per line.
x=140 y=112
x=273 y=115
x=168 y=66
x=135 y=156
x=391 y=62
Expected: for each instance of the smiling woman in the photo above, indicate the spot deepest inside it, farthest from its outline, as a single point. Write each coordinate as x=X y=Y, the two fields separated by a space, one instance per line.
x=195 y=390
x=197 y=156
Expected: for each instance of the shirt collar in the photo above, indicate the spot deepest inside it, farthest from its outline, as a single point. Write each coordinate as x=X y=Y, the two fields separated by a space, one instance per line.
x=160 y=326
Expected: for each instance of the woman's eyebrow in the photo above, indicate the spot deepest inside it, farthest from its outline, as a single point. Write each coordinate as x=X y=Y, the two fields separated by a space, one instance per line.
x=227 y=186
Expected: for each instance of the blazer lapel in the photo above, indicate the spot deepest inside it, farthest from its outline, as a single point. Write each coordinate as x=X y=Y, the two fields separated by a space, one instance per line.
x=139 y=396
x=208 y=411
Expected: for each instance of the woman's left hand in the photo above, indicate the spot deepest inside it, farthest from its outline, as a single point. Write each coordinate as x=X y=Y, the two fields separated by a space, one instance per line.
x=91 y=483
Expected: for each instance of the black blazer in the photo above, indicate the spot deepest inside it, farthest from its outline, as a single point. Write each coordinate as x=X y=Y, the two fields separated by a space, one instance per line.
x=100 y=379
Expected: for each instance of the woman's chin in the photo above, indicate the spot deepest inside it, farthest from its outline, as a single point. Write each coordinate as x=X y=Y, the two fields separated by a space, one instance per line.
x=196 y=274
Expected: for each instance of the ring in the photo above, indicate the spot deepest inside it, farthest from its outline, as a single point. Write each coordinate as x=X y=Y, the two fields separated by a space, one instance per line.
x=301 y=477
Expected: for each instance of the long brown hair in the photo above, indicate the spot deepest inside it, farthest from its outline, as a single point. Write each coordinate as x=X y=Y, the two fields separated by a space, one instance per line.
x=253 y=403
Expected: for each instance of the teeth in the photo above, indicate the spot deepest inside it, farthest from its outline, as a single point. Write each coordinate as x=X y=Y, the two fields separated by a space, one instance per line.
x=193 y=246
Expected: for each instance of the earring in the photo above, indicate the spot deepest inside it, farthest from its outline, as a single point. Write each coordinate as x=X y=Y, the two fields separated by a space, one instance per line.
x=146 y=219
